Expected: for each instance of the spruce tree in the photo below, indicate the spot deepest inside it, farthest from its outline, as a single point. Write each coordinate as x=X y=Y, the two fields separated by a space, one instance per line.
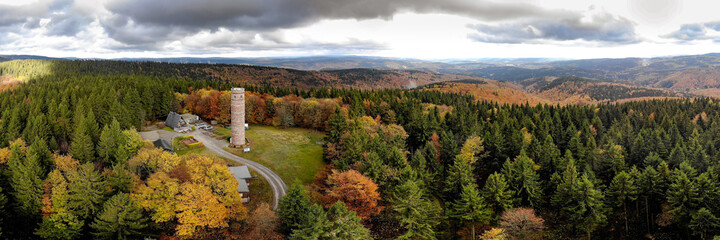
x=62 y=225
x=623 y=190
x=580 y=203
x=653 y=159
x=120 y=218
x=86 y=190
x=683 y=196
x=710 y=190
x=678 y=155
x=497 y=193
x=704 y=223
x=293 y=208
x=37 y=129
x=523 y=180
x=471 y=208
x=417 y=215
x=337 y=125
x=110 y=139
x=26 y=180
x=82 y=147
x=91 y=125
x=345 y=224
x=314 y=225
x=651 y=190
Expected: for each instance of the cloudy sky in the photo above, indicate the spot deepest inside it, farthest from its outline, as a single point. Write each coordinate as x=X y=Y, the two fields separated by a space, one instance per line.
x=425 y=29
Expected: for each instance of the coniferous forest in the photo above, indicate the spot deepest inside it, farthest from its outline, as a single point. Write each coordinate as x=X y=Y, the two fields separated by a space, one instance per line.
x=401 y=164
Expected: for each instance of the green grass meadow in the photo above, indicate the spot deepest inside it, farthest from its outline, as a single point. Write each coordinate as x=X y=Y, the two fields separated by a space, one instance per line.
x=293 y=153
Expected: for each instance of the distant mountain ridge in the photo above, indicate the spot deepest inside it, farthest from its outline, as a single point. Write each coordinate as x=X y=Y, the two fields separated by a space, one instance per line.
x=694 y=74
x=552 y=90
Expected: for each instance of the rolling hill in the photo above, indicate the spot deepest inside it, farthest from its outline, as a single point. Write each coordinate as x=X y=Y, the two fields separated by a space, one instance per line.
x=361 y=78
x=552 y=90
x=532 y=89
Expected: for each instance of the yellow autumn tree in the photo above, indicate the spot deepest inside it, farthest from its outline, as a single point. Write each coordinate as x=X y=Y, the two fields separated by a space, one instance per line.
x=198 y=192
x=494 y=234
x=150 y=160
x=159 y=195
x=199 y=207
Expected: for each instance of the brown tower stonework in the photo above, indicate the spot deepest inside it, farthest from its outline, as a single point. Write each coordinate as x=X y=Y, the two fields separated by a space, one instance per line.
x=237 y=118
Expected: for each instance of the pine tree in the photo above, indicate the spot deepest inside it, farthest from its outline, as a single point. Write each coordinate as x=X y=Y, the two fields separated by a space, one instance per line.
x=314 y=225
x=63 y=225
x=459 y=175
x=41 y=152
x=37 y=129
x=86 y=188
x=110 y=139
x=91 y=125
x=547 y=157
x=292 y=208
x=120 y=218
x=417 y=215
x=696 y=151
x=15 y=125
x=345 y=224
x=682 y=196
x=704 y=223
x=471 y=208
x=523 y=180
x=25 y=179
x=497 y=193
x=623 y=190
x=82 y=147
x=119 y=179
x=337 y=125
x=653 y=159
x=650 y=189
x=579 y=201
x=678 y=155
x=710 y=190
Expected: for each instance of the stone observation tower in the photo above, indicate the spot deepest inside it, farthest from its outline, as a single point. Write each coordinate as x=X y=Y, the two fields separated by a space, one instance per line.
x=237 y=119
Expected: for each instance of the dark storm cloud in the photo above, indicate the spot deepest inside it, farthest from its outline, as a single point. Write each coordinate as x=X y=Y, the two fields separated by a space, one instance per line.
x=153 y=25
x=273 y=14
x=600 y=28
x=695 y=31
x=63 y=19
x=175 y=18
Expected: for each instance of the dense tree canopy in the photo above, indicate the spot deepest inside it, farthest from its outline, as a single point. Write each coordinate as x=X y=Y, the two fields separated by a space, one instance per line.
x=68 y=155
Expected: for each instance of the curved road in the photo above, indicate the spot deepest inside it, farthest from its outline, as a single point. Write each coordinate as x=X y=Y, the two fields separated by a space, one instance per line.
x=216 y=146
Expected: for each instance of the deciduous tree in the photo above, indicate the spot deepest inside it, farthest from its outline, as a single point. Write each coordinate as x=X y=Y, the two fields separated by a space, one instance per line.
x=522 y=223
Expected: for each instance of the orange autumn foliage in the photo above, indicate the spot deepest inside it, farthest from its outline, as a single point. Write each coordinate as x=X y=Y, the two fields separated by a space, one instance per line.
x=357 y=191
x=263 y=223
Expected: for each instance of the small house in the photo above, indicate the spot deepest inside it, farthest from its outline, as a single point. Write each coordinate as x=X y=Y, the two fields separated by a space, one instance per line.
x=242 y=175
x=244 y=191
x=163 y=144
x=174 y=121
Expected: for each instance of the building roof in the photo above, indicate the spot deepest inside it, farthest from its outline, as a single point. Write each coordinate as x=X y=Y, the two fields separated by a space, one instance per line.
x=164 y=144
x=187 y=116
x=240 y=172
x=173 y=120
x=243 y=186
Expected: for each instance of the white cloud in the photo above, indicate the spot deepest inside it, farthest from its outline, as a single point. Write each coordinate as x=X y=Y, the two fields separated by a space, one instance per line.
x=414 y=29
